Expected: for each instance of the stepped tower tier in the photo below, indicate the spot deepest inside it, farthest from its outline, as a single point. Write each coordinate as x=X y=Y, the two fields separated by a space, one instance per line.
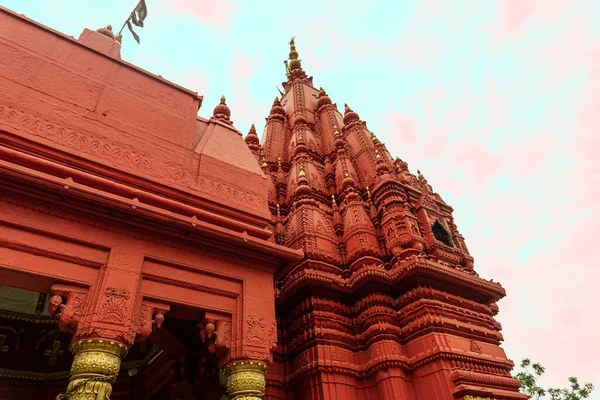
x=386 y=303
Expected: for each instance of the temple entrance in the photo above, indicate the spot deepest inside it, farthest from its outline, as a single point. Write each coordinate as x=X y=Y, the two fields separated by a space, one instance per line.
x=177 y=361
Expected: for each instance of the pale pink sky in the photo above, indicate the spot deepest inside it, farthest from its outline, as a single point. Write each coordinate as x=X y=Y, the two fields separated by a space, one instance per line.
x=496 y=102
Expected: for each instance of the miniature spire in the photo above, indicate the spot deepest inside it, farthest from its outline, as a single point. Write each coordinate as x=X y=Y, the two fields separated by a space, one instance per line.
x=349 y=115
x=277 y=110
x=301 y=173
x=374 y=138
x=252 y=137
x=222 y=112
x=322 y=98
x=302 y=187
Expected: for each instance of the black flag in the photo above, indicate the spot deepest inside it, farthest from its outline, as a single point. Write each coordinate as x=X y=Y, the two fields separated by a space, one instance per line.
x=135 y=35
x=139 y=14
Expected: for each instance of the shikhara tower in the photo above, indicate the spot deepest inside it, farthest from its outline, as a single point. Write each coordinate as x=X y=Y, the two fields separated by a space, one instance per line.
x=386 y=303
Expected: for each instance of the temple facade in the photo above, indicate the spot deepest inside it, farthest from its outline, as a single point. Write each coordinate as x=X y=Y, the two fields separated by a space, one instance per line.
x=147 y=253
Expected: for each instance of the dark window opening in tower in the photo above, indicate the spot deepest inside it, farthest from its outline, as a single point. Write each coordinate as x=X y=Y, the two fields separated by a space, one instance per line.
x=441 y=234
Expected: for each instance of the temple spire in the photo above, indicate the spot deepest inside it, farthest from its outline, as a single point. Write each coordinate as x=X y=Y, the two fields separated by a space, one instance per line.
x=294 y=66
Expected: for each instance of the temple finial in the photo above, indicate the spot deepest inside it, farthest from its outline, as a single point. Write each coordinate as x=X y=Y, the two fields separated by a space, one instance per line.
x=293 y=55
x=222 y=111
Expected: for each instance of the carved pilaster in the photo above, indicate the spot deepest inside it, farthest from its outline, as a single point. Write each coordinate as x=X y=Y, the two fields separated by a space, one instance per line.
x=95 y=367
x=245 y=380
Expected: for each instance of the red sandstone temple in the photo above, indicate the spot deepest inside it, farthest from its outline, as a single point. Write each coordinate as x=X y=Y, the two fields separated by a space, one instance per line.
x=147 y=253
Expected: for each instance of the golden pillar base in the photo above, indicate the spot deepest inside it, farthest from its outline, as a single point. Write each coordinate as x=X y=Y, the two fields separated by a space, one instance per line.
x=94 y=370
x=245 y=380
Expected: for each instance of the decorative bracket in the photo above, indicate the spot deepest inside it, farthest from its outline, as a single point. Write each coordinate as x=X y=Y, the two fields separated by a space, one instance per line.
x=219 y=325
x=67 y=302
x=151 y=317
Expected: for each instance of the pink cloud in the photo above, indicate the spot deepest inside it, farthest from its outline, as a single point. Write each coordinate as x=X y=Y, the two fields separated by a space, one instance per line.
x=209 y=12
x=479 y=161
x=516 y=12
x=403 y=128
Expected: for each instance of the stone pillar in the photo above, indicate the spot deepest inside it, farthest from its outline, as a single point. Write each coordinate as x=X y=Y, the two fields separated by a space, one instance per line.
x=94 y=370
x=245 y=380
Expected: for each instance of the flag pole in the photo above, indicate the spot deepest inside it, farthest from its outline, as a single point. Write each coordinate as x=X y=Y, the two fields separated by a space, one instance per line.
x=124 y=23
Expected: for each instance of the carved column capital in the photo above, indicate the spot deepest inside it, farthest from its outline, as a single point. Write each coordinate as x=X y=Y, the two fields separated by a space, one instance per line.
x=245 y=380
x=95 y=367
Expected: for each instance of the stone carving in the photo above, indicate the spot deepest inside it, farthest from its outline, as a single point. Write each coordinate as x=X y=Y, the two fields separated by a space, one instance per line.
x=70 y=313
x=475 y=347
x=255 y=333
x=85 y=142
x=122 y=155
x=147 y=323
x=115 y=308
x=273 y=337
x=223 y=340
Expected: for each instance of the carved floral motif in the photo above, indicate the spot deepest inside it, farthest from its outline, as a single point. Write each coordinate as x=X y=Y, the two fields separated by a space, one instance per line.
x=115 y=308
x=255 y=332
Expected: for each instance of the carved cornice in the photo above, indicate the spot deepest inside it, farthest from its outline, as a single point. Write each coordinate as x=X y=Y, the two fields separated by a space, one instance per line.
x=345 y=362
x=73 y=215
x=411 y=266
x=123 y=155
